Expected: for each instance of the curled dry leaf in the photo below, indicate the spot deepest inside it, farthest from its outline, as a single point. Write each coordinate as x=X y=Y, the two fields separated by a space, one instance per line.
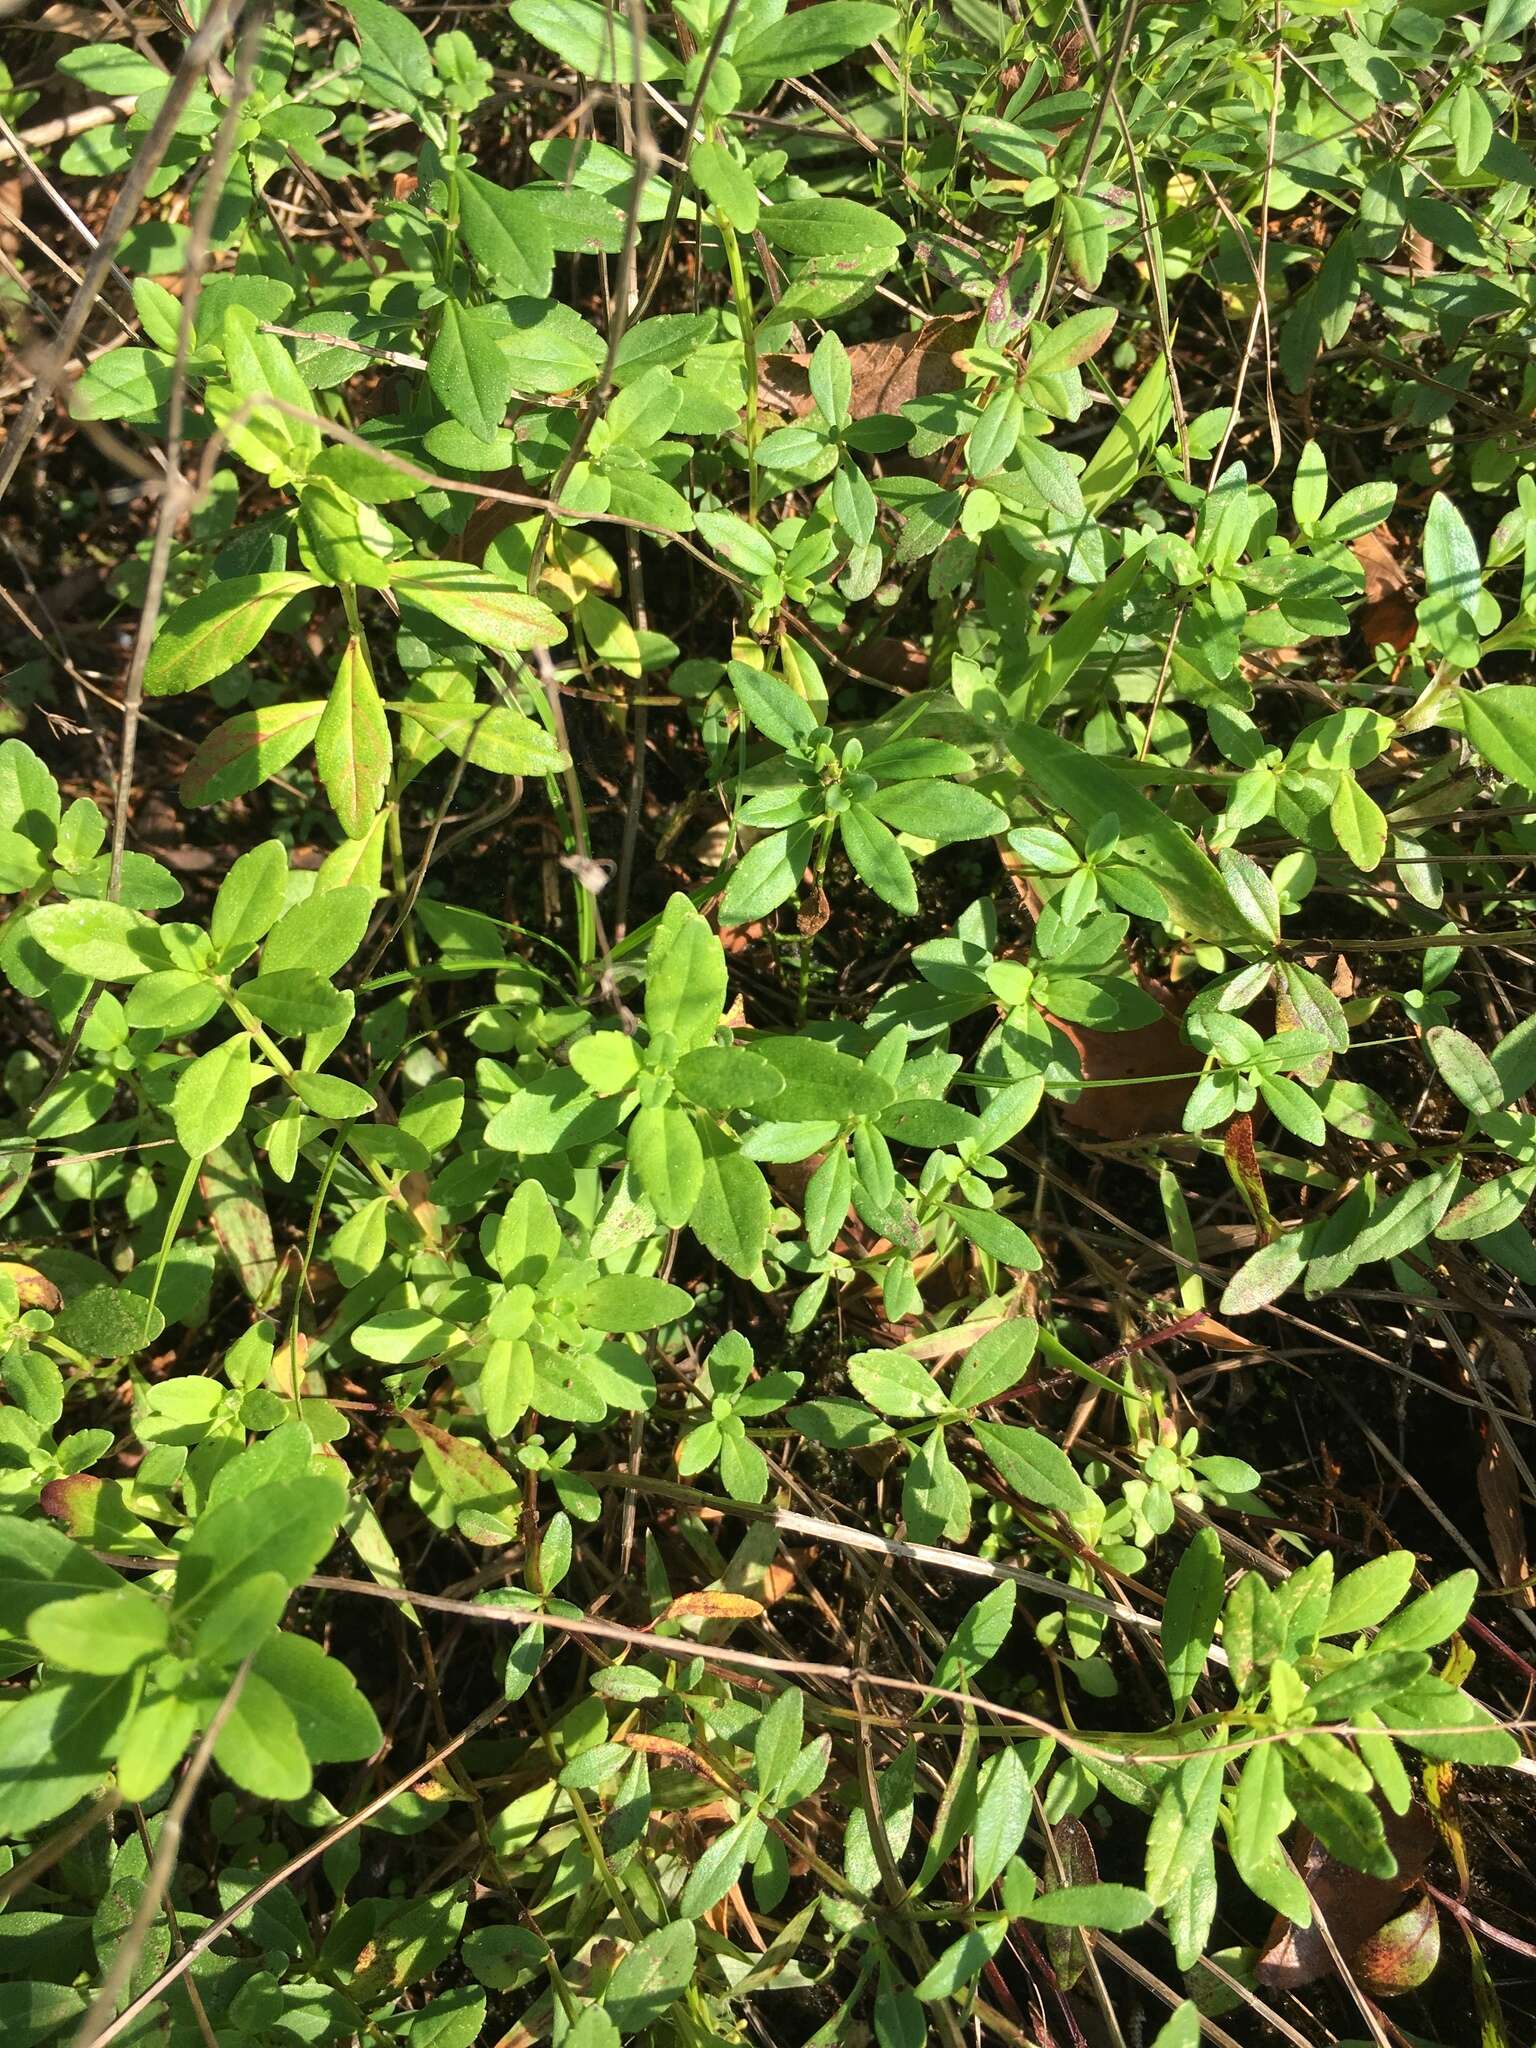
x=1498 y=1488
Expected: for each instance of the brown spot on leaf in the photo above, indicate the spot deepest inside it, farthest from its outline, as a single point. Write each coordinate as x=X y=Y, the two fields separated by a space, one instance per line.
x=1402 y=1955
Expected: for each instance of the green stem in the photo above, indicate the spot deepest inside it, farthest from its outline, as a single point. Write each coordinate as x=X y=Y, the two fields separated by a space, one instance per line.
x=743 y=301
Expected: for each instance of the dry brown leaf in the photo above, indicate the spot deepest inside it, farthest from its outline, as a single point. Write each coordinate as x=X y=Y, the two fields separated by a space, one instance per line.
x=885 y=373
x=1355 y=1907
x=33 y=1289
x=1150 y=1104
x=677 y=1753
x=1498 y=1488
x=713 y=1606
x=1388 y=613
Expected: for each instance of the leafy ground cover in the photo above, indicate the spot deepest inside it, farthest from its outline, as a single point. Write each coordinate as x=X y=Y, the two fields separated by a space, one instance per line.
x=766 y=826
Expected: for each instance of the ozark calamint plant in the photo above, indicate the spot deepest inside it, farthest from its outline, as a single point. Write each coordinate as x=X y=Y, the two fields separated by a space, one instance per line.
x=845 y=690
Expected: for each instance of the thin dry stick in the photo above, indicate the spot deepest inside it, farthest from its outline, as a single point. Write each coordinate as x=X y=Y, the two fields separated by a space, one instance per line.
x=626 y=294
x=1260 y=320
x=60 y=204
x=47 y=133
x=43 y=1858
x=276 y=1879
x=176 y=493
x=197 y=56
x=157 y=1883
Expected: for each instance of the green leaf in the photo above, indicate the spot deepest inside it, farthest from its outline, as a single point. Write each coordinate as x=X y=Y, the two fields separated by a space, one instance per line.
x=1182 y=1825
x=484 y=607
x=717 y=1869
x=207 y=634
x=1330 y=1790
x=774 y=708
x=877 y=859
x=1453 y=574
x=945 y=812
x=1182 y=2030
x=814 y=37
x=743 y=546
x=469 y=370
x=336 y=1724
x=1431 y=1618
x=734 y=1209
x=249 y=901
x=105 y=1633
x=1114 y=1907
x=210 y=1096
x=980 y=1636
x=998 y=1237
x=1195 y=1593
x=1085 y=239
x=352 y=744
x=98 y=940
x=725 y=184
x=1465 y=1069
x=766 y=876
x=40 y=1565
x=506 y=231
x=1261 y=1813
x=1407 y=1218
x=668 y=1161
x=963 y=1960
x=296 y=1001
x=1500 y=721
x=397 y=69
x=1364 y=1597
x=592 y=39
x=1086 y=789
x=829 y=227
x=621 y=1302
x=685 y=987
x=1358 y=824
x=821 y=1083
x=1032 y=1465
x=776 y=1746
x=1003 y=1807
x=320 y=933
x=653 y=1976
x=260 y=1746
x=285 y=1526
x=896 y=1383
x=239 y=755
x=56 y=1743
x=496 y=737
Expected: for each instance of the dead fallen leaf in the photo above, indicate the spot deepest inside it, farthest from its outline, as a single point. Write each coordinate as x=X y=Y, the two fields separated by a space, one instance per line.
x=1498 y=1488
x=1387 y=615
x=1355 y=1907
x=712 y=1606
x=885 y=373
x=1142 y=1058
x=677 y=1753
